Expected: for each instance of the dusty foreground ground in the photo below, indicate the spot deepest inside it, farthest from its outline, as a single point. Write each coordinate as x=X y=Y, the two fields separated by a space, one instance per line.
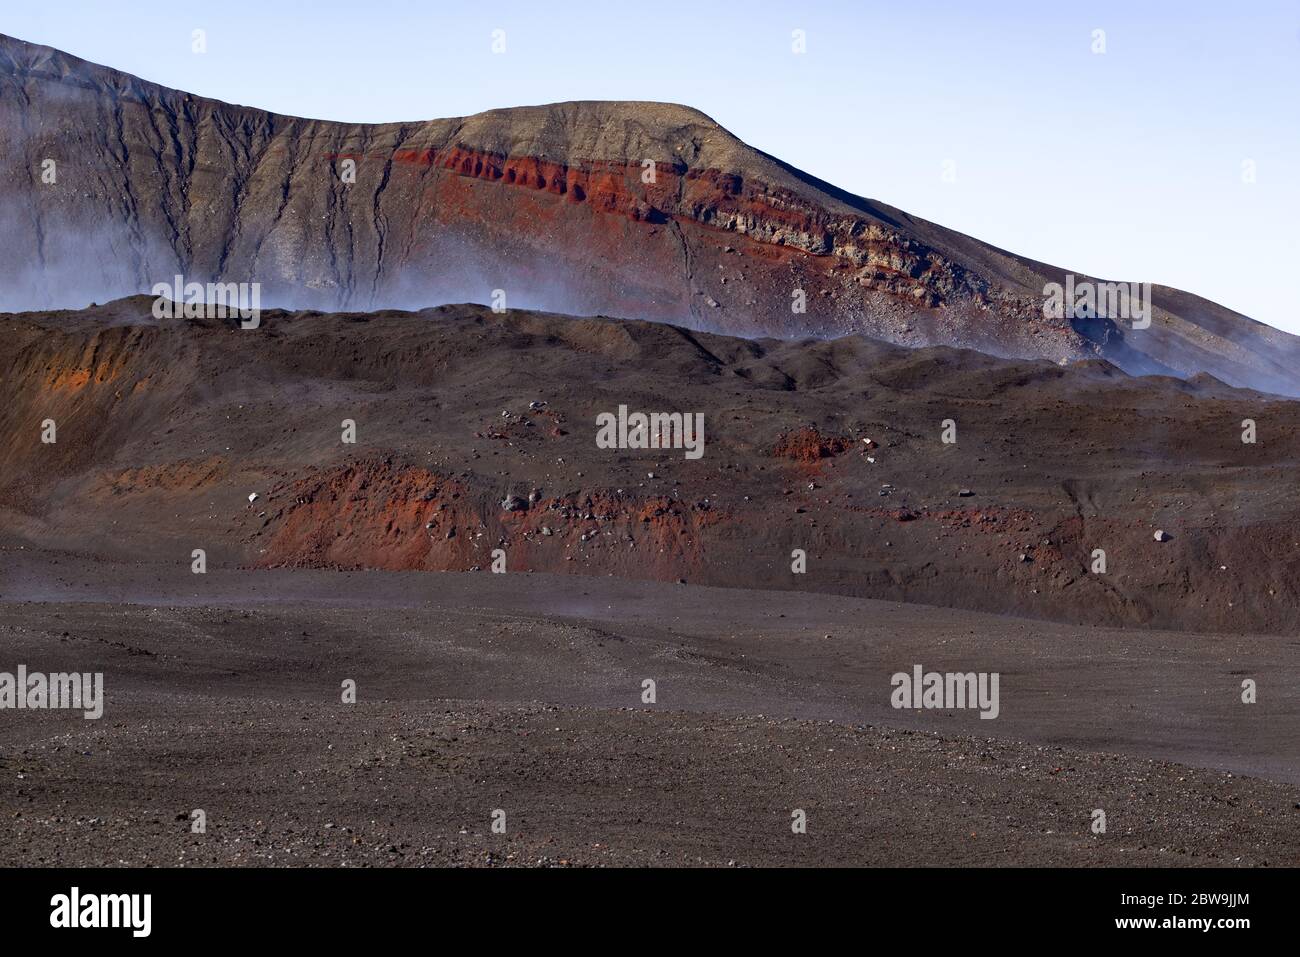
x=522 y=693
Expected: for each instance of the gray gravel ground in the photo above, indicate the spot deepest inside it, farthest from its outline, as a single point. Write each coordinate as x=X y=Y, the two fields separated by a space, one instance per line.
x=484 y=696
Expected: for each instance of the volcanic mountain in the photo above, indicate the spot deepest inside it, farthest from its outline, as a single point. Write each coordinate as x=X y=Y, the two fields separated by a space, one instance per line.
x=645 y=210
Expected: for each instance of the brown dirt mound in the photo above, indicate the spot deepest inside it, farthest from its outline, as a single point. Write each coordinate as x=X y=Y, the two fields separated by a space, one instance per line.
x=808 y=445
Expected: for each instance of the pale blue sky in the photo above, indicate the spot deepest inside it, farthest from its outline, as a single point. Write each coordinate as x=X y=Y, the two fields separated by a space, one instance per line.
x=1125 y=165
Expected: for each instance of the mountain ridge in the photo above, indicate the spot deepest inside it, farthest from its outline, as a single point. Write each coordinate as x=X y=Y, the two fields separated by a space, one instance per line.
x=549 y=204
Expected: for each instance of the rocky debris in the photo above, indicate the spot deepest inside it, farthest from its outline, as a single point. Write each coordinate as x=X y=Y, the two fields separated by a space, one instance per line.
x=1161 y=535
x=514 y=503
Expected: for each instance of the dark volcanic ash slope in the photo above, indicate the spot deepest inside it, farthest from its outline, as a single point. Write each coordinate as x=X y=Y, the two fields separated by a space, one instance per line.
x=476 y=431
x=546 y=203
